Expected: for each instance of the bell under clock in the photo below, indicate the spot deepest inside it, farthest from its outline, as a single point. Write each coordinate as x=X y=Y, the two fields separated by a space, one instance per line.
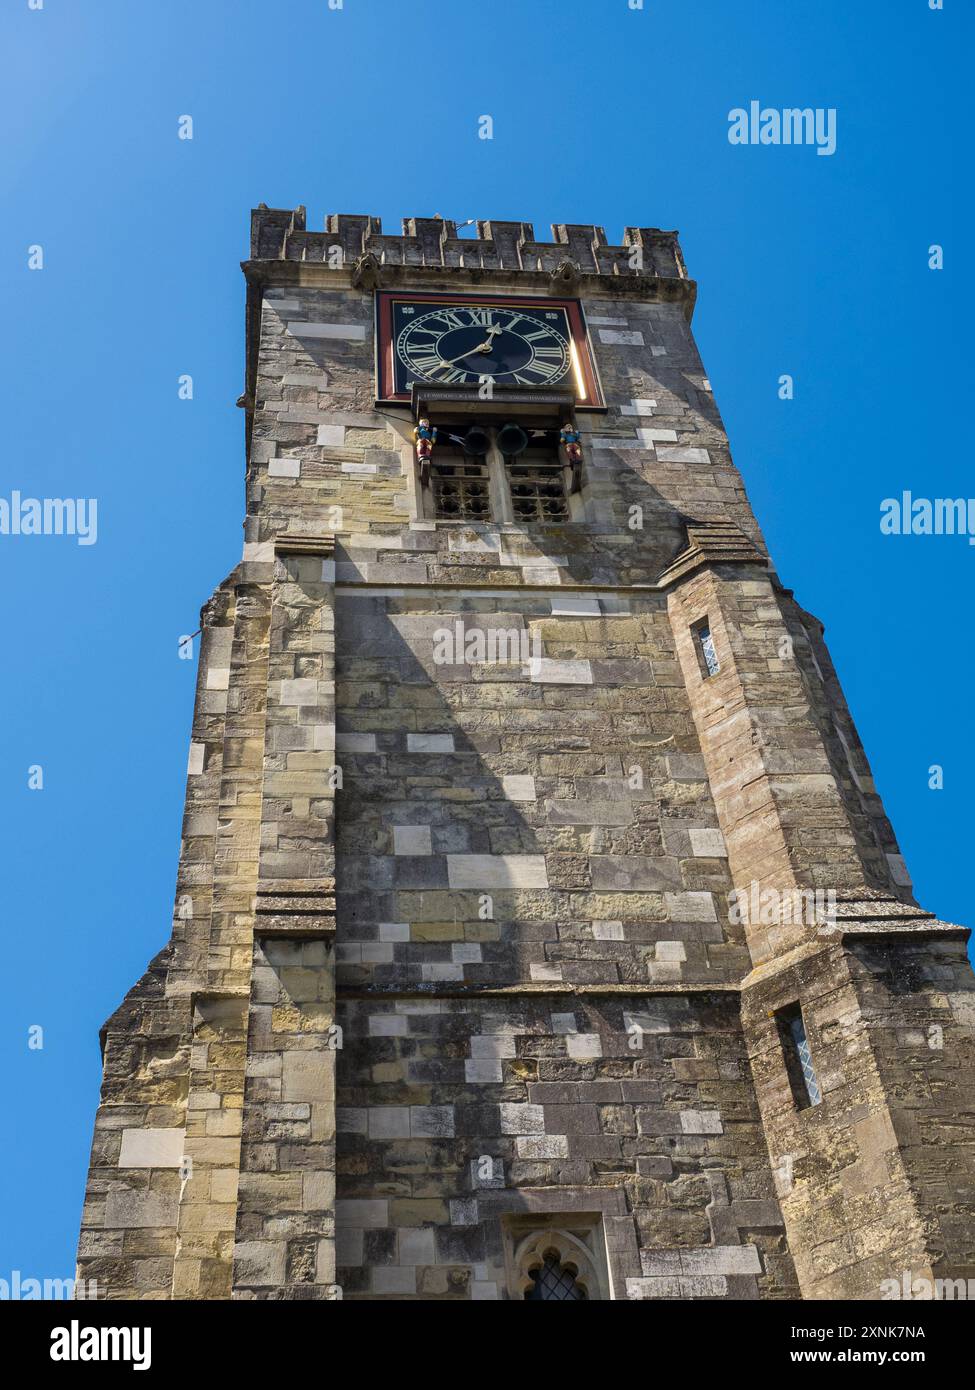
x=450 y=340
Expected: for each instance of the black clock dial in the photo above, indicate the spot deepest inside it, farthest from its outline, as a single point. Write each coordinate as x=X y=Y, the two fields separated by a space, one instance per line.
x=468 y=344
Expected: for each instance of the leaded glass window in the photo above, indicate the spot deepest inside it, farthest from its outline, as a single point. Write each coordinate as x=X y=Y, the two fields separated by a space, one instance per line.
x=555 y=1281
x=798 y=1057
x=709 y=656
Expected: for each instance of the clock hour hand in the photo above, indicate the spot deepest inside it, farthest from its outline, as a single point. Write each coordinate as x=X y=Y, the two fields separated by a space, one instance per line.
x=481 y=347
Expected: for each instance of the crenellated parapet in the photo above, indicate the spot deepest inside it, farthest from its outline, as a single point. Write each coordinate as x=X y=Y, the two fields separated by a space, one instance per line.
x=280 y=234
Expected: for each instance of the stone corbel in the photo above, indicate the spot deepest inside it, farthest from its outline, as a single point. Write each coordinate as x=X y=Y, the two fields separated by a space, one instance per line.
x=366 y=274
x=565 y=276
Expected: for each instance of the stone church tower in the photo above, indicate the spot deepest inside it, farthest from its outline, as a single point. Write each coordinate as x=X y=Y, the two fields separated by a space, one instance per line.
x=539 y=931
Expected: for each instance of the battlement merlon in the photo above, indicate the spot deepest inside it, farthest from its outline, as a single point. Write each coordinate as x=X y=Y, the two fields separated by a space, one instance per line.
x=647 y=253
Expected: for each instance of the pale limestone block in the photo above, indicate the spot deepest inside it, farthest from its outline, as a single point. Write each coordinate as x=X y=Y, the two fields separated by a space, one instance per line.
x=683 y=455
x=194 y=764
x=608 y=931
x=480 y=544
x=258 y=552
x=582 y=1047
x=708 y=844
x=518 y=787
x=330 y=436
x=394 y=931
x=323 y=738
x=563 y=1023
x=671 y=951
x=387 y=1026
x=412 y=839
x=416 y=1246
x=650 y=438
x=393 y=1279
x=376 y=953
x=218 y=678
x=372 y=1213
x=303 y=691
x=614 y=441
x=571 y=607
x=722 y=1259
x=493 y=1045
x=482 y=1070
x=284 y=468
x=522 y=1119
x=441 y=970
x=640 y=1289
x=152 y=1148
x=548 y=671
x=316 y=379
x=621 y=337
x=542 y=971
x=484 y=1291
x=355 y=743
x=539 y=1146
x=541 y=576
x=496 y=871
x=429 y=743
x=466 y=953
x=690 y=907
x=701 y=1122
x=349 y=332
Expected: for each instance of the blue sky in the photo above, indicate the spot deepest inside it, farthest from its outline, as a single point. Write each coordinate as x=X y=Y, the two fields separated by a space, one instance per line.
x=812 y=266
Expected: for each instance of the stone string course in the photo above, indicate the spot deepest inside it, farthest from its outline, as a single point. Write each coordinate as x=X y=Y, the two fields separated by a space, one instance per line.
x=487 y=972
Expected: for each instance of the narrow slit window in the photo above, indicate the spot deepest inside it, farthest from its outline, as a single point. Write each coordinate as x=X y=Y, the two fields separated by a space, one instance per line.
x=798 y=1057
x=706 y=655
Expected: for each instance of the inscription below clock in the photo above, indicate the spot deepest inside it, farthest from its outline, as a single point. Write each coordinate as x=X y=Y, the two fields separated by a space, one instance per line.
x=473 y=343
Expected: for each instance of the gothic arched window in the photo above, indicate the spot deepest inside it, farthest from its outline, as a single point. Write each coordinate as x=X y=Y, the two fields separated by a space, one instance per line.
x=549 y=1261
x=554 y=1280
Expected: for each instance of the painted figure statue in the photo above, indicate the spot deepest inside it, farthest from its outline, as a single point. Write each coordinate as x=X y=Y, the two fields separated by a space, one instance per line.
x=570 y=440
x=424 y=437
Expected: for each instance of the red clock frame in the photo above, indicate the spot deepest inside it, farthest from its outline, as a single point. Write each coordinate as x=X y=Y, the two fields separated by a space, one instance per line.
x=583 y=361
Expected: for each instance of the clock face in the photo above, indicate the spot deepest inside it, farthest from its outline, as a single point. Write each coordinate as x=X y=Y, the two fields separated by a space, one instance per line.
x=441 y=340
x=471 y=343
